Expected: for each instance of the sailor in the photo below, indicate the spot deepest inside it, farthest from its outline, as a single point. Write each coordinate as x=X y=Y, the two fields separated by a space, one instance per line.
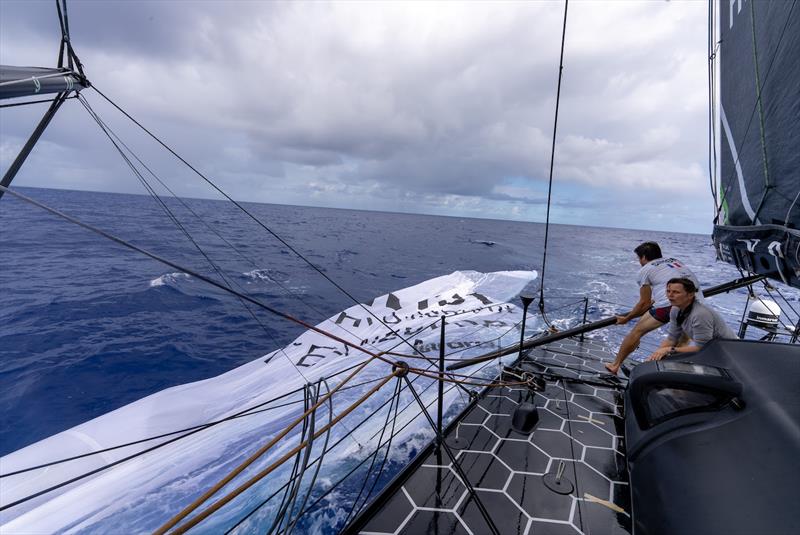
x=653 y=306
x=691 y=318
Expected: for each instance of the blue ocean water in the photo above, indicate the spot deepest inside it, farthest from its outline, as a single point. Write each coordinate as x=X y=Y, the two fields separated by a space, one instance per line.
x=88 y=326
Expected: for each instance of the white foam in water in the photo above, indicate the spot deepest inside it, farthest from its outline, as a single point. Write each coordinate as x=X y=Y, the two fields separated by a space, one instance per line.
x=141 y=494
x=169 y=279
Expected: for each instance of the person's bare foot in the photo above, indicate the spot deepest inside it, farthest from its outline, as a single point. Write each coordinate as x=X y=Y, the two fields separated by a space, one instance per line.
x=612 y=368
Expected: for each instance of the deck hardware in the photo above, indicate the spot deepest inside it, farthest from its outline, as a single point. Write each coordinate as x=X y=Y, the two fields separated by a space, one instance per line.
x=585 y=312
x=400 y=368
x=526 y=302
x=525 y=418
x=557 y=482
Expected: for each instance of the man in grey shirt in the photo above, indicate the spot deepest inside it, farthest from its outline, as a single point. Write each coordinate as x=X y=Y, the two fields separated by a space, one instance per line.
x=689 y=317
x=653 y=307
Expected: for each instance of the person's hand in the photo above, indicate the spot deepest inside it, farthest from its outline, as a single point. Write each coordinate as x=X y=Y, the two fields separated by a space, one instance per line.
x=660 y=353
x=622 y=320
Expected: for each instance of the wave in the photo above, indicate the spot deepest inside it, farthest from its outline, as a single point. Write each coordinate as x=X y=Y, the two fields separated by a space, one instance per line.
x=169 y=279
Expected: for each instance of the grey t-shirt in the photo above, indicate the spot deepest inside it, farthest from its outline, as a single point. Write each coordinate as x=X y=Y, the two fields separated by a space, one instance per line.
x=701 y=325
x=658 y=272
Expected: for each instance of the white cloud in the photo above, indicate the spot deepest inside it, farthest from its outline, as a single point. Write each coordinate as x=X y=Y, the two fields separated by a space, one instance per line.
x=439 y=102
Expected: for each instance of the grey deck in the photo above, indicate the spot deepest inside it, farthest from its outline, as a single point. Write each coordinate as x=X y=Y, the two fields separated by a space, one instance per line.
x=579 y=425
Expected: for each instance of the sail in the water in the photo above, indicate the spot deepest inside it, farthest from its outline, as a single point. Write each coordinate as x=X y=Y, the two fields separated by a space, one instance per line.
x=758 y=119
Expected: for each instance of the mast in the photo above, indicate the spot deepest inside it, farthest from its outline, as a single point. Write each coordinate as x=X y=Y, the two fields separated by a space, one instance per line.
x=19 y=82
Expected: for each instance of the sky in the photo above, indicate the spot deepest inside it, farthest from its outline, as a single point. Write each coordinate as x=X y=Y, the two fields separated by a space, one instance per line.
x=441 y=108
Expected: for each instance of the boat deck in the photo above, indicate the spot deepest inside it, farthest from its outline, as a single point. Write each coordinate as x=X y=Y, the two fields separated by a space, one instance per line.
x=579 y=432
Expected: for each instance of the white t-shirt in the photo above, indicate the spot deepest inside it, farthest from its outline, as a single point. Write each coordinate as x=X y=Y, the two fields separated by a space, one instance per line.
x=658 y=272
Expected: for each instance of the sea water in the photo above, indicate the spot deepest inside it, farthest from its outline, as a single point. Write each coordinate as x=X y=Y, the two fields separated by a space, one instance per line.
x=87 y=326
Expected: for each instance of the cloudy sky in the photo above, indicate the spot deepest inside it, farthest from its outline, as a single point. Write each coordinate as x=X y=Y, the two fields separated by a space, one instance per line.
x=439 y=108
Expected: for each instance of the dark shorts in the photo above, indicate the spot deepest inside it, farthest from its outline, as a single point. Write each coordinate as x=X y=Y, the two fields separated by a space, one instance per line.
x=661 y=314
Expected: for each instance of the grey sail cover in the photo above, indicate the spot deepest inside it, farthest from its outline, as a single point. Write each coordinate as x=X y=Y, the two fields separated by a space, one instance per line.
x=759 y=125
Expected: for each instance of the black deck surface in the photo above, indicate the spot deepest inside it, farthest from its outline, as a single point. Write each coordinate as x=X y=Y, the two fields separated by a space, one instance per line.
x=580 y=431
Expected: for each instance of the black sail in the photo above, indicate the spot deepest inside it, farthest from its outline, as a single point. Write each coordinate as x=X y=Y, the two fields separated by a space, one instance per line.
x=759 y=125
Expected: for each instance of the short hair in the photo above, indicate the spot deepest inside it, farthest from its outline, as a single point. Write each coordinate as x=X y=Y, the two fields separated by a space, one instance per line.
x=688 y=284
x=649 y=249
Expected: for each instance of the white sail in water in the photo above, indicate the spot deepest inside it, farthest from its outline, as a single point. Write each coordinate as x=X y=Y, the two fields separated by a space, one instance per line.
x=141 y=494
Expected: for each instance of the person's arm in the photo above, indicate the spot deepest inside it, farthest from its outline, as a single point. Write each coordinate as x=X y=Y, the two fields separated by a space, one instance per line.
x=644 y=303
x=668 y=348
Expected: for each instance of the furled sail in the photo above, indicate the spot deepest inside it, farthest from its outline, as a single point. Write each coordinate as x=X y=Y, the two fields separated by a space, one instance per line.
x=758 y=227
x=31 y=81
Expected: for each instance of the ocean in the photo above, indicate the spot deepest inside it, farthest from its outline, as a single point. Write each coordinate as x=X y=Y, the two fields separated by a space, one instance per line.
x=89 y=326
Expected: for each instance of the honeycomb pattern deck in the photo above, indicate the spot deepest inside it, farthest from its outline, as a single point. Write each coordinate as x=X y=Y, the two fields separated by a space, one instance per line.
x=580 y=432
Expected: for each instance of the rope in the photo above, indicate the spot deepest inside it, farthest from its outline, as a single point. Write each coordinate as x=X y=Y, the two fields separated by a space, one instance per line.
x=256 y=478
x=552 y=160
x=760 y=104
x=193 y=274
x=253 y=217
x=395 y=398
x=712 y=124
x=51 y=100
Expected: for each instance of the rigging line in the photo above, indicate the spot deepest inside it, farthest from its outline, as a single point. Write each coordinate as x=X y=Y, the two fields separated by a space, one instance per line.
x=572 y=453
x=552 y=160
x=109 y=133
x=767 y=289
x=354 y=469
x=294 y=474
x=288 y=291
x=253 y=457
x=190 y=523
x=712 y=144
x=192 y=273
x=310 y=487
x=301 y=473
x=253 y=217
x=365 y=420
x=455 y=464
x=785 y=301
x=435 y=377
x=791 y=207
x=395 y=399
x=388 y=449
x=330 y=488
x=759 y=103
x=50 y=100
x=251 y=411
x=755 y=106
x=317 y=462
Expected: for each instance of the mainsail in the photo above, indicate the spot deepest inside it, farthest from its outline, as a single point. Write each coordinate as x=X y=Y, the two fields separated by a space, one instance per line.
x=758 y=225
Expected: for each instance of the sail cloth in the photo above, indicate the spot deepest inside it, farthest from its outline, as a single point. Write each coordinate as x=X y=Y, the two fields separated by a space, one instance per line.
x=31 y=81
x=759 y=121
x=141 y=494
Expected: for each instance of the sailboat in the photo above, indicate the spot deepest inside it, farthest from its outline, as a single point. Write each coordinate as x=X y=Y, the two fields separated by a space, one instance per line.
x=537 y=439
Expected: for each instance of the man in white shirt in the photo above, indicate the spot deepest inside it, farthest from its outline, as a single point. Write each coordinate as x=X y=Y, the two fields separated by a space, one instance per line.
x=653 y=305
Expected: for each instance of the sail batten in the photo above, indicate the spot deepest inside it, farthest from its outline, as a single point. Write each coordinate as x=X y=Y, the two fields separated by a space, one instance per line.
x=759 y=119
